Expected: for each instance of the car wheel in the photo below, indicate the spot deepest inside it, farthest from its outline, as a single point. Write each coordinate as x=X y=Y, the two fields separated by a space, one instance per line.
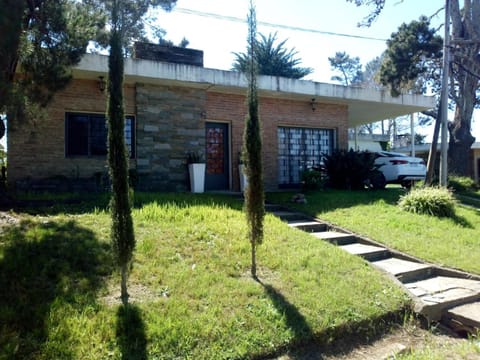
x=378 y=181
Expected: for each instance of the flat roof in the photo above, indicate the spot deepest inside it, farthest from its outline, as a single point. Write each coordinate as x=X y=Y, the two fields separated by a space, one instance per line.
x=364 y=105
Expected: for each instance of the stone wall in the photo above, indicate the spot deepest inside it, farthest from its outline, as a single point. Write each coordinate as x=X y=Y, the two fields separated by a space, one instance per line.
x=169 y=125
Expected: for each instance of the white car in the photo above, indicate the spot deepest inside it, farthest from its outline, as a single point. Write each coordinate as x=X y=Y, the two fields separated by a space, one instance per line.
x=400 y=168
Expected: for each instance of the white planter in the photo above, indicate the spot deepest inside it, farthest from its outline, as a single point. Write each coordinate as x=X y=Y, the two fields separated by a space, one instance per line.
x=243 y=178
x=197 y=177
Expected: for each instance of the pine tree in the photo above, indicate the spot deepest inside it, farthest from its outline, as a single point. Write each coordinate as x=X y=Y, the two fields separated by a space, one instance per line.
x=254 y=194
x=46 y=38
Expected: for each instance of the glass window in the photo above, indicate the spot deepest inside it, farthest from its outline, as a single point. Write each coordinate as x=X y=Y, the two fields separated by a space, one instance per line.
x=300 y=149
x=86 y=135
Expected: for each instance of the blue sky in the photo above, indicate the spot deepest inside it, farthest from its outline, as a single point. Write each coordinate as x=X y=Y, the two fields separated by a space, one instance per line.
x=219 y=37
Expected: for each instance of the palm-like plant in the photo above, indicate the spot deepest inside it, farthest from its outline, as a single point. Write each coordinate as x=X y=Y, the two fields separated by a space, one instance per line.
x=273 y=59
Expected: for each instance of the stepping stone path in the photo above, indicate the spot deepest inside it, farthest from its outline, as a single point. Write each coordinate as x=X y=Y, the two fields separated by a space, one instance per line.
x=440 y=295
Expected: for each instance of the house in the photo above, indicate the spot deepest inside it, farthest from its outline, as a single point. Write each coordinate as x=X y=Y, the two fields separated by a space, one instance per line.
x=177 y=106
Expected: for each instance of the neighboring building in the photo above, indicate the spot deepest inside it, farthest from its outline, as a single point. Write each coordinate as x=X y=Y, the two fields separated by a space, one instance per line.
x=367 y=142
x=424 y=149
x=173 y=108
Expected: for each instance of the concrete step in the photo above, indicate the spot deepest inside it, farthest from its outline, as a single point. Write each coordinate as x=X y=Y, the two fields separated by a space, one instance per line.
x=438 y=293
x=335 y=237
x=463 y=319
x=405 y=270
x=274 y=207
x=308 y=226
x=289 y=216
x=368 y=252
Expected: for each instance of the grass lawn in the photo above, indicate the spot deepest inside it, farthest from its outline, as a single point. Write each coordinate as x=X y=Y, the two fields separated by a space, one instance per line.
x=191 y=293
x=453 y=243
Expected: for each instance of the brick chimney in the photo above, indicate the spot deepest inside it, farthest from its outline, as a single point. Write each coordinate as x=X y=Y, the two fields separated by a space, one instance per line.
x=171 y=54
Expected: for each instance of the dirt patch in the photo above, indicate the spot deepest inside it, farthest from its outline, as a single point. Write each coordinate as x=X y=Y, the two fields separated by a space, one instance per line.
x=401 y=340
x=137 y=293
x=7 y=220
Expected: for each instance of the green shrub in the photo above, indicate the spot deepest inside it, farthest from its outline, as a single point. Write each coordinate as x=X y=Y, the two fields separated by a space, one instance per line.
x=434 y=201
x=461 y=183
x=312 y=180
x=349 y=169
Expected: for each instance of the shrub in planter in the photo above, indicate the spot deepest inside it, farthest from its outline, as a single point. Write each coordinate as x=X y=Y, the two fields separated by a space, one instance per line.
x=434 y=201
x=349 y=169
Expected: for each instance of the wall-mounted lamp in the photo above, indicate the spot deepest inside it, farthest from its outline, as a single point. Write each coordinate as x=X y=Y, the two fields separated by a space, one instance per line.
x=101 y=83
x=203 y=115
x=313 y=104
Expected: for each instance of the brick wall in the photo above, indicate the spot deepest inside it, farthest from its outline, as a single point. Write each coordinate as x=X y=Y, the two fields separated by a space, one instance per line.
x=274 y=113
x=36 y=150
x=170 y=121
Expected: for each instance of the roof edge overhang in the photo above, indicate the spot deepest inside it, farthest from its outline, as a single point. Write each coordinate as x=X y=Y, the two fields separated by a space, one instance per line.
x=364 y=105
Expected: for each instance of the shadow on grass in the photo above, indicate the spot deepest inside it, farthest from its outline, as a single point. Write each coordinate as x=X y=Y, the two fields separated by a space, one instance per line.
x=328 y=200
x=461 y=221
x=295 y=321
x=130 y=332
x=79 y=203
x=44 y=270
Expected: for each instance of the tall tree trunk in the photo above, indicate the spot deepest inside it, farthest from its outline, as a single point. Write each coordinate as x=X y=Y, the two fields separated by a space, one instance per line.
x=123 y=284
x=432 y=155
x=253 y=267
x=466 y=71
x=461 y=140
x=11 y=29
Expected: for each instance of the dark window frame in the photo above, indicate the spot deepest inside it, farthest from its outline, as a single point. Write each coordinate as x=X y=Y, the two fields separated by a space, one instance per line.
x=86 y=135
x=300 y=148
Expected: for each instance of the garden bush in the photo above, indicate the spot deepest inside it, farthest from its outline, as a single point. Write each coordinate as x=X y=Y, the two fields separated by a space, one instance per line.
x=434 y=201
x=461 y=183
x=312 y=179
x=349 y=169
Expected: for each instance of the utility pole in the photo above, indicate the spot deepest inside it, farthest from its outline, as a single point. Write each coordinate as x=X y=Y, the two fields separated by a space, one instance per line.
x=412 y=132
x=444 y=98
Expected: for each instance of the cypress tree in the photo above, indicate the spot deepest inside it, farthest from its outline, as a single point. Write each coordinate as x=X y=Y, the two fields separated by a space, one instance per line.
x=126 y=22
x=252 y=144
x=122 y=234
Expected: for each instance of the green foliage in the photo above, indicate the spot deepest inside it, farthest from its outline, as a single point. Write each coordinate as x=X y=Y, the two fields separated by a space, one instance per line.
x=125 y=22
x=348 y=169
x=272 y=59
x=450 y=242
x=313 y=180
x=252 y=143
x=194 y=157
x=133 y=13
x=122 y=234
x=409 y=58
x=47 y=38
x=370 y=18
x=435 y=201
x=194 y=299
x=461 y=183
x=350 y=68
